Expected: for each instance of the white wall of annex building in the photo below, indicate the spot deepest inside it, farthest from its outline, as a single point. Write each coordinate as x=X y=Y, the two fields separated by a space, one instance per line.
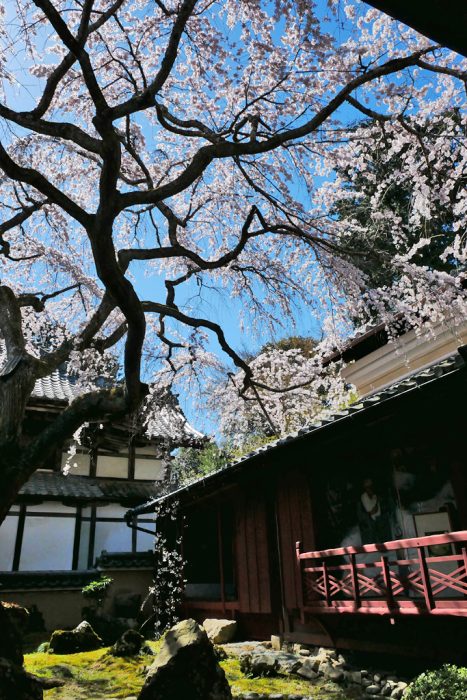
x=7 y=542
x=48 y=539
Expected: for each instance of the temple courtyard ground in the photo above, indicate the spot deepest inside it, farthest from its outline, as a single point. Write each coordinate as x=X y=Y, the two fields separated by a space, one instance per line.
x=101 y=676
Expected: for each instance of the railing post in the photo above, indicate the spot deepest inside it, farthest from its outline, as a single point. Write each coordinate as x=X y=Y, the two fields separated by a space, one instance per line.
x=327 y=592
x=425 y=574
x=387 y=581
x=301 y=603
x=464 y=555
x=356 y=589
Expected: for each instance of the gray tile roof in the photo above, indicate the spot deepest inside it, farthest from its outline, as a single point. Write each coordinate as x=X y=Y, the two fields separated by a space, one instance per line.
x=169 y=424
x=125 y=560
x=31 y=580
x=403 y=386
x=56 y=387
x=55 y=486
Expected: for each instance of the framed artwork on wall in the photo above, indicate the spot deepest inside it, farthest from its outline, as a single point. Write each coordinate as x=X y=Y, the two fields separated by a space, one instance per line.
x=438 y=523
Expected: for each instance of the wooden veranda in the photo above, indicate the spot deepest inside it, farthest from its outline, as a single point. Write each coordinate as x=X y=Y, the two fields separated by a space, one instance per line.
x=416 y=576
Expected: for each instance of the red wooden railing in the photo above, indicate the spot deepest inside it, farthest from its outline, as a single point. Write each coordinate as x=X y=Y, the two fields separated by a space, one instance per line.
x=412 y=576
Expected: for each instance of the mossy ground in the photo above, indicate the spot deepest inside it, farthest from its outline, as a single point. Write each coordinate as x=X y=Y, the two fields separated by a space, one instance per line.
x=98 y=675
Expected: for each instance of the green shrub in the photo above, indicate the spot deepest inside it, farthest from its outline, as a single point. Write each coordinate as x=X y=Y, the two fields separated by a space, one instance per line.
x=446 y=683
x=97 y=590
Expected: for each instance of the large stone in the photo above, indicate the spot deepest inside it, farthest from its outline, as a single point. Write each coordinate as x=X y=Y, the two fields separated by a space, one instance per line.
x=13 y=624
x=336 y=675
x=276 y=642
x=259 y=664
x=307 y=671
x=354 y=677
x=220 y=631
x=15 y=682
x=287 y=663
x=186 y=667
x=82 y=638
x=130 y=643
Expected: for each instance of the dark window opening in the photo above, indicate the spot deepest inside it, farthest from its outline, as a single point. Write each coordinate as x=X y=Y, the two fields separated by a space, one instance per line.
x=208 y=550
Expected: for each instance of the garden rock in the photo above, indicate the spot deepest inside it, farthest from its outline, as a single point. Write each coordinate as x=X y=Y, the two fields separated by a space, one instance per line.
x=186 y=667
x=15 y=682
x=82 y=638
x=131 y=643
x=13 y=624
x=259 y=664
x=220 y=631
x=287 y=663
x=336 y=675
x=306 y=670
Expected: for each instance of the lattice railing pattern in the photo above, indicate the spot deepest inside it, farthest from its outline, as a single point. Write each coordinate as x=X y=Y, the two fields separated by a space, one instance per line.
x=397 y=576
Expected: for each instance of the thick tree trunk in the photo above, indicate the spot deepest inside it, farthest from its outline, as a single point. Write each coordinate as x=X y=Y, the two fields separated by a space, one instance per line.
x=15 y=389
x=13 y=477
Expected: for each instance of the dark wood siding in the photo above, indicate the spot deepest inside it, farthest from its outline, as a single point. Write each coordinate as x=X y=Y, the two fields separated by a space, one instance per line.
x=252 y=556
x=295 y=524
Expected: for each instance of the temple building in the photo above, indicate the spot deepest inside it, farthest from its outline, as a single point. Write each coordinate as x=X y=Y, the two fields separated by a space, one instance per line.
x=351 y=532
x=66 y=528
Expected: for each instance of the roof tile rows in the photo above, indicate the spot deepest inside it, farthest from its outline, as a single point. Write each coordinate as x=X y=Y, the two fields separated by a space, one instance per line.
x=53 y=485
x=56 y=387
x=168 y=424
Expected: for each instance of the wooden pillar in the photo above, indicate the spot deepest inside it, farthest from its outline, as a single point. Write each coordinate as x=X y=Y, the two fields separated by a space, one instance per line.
x=77 y=538
x=19 y=537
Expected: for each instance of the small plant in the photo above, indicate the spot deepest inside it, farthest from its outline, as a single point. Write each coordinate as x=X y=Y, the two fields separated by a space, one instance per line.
x=446 y=683
x=97 y=590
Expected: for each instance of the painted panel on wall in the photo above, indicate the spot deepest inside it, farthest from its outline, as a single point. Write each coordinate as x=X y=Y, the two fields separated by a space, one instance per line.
x=149 y=469
x=110 y=466
x=7 y=542
x=47 y=543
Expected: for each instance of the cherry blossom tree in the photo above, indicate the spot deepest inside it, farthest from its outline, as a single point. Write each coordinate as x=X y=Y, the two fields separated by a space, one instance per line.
x=372 y=211
x=197 y=139
x=291 y=388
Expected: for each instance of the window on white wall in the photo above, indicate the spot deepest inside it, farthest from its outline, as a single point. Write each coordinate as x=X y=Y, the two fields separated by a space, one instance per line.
x=7 y=542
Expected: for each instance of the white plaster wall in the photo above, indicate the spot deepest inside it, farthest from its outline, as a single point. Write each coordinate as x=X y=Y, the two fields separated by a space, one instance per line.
x=149 y=469
x=144 y=540
x=110 y=466
x=7 y=542
x=407 y=354
x=50 y=507
x=84 y=545
x=112 y=510
x=113 y=537
x=47 y=543
x=82 y=462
